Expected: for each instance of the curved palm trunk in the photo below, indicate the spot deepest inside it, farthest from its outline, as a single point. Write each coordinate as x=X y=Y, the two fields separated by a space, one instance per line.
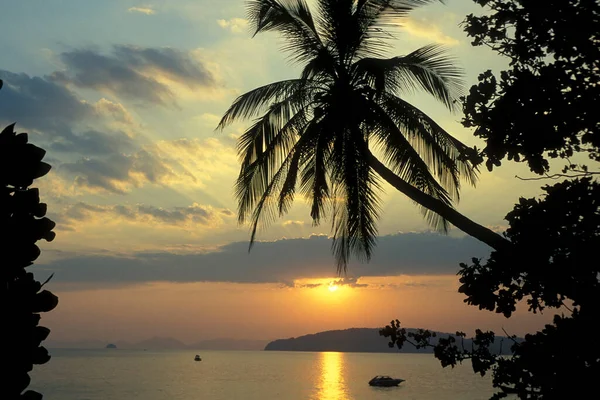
x=463 y=223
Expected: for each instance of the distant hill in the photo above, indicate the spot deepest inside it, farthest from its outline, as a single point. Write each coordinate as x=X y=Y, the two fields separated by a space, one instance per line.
x=360 y=340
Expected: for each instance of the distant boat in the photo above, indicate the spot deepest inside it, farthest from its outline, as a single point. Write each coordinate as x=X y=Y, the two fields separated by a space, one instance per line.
x=197 y=358
x=385 y=381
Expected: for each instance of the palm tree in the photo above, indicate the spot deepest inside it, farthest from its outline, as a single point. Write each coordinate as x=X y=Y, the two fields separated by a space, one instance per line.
x=317 y=133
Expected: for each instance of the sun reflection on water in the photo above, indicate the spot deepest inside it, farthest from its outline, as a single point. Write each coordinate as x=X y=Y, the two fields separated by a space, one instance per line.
x=332 y=385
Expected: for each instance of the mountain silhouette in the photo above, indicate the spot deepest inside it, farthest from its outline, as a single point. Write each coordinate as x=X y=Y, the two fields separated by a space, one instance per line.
x=365 y=340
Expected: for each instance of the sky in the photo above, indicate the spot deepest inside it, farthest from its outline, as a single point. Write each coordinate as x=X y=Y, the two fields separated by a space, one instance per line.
x=125 y=97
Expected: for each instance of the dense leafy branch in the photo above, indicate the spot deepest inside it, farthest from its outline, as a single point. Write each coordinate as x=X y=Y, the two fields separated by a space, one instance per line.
x=552 y=88
x=23 y=222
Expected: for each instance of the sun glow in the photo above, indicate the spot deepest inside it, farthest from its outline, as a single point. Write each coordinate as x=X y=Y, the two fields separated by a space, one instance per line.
x=333 y=288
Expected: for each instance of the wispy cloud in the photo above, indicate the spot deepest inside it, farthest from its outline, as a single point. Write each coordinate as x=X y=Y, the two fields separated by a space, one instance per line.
x=352 y=282
x=426 y=29
x=193 y=216
x=292 y=223
x=113 y=110
x=142 y=10
x=235 y=25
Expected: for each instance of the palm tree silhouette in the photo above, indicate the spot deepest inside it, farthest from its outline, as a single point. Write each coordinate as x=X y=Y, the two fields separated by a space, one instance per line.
x=316 y=133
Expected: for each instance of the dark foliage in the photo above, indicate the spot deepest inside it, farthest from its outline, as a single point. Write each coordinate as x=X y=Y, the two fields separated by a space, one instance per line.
x=543 y=107
x=22 y=297
x=546 y=104
x=554 y=264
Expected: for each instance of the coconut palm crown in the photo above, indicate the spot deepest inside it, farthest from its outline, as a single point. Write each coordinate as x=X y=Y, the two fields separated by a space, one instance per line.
x=316 y=134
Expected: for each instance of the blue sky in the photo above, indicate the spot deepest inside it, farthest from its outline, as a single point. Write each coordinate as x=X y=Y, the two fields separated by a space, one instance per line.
x=125 y=96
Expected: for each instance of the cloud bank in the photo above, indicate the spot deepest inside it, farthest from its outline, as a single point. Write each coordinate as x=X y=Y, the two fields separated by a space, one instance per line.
x=279 y=262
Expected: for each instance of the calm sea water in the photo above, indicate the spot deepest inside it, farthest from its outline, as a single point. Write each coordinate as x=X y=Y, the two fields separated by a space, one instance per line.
x=225 y=375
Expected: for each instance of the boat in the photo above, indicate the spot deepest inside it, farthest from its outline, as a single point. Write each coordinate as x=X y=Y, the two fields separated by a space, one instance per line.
x=385 y=381
x=197 y=358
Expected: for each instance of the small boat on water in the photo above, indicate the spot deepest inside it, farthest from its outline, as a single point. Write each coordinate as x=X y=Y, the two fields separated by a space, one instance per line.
x=385 y=381
x=197 y=358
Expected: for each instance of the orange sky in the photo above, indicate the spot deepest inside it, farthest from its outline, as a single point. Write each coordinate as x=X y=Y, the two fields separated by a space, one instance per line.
x=196 y=311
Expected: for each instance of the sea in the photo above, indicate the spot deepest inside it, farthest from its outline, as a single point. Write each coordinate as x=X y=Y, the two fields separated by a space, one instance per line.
x=116 y=374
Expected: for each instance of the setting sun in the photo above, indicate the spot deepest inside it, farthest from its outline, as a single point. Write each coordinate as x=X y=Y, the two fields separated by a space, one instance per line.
x=333 y=288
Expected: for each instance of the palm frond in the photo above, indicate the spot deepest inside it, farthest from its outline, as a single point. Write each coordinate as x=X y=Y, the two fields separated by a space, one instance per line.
x=255 y=101
x=262 y=191
x=292 y=19
x=262 y=210
x=355 y=228
x=427 y=68
x=336 y=27
x=322 y=67
x=264 y=149
x=302 y=157
x=373 y=21
x=314 y=182
x=445 y=154
x=404 y=160
x=339 y=226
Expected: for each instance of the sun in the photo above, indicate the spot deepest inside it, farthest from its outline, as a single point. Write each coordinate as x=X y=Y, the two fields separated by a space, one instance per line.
x=333 y=288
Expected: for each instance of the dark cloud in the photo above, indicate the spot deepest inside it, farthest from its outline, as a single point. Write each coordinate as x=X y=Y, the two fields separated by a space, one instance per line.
x=131 y=72
x=117 y=173
x=92 y=142
x=274 y=262
x=40 y=104
x=53 y=111
x=195 y=214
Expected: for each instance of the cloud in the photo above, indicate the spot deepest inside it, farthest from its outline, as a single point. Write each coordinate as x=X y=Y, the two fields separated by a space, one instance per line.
x=294 y=224
x=118 y=173
x=116 y=164
x=115 y=111
x=271 y=262
x=92 y=142
x=60 y=118
x=350 y=282
x=346 y=281
x=425 y=29
x=40 y=104
x=95 y=141
x=142 y=10
x=235 y=25
x=198 y=161
x=138 y=73
x=191 y=216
